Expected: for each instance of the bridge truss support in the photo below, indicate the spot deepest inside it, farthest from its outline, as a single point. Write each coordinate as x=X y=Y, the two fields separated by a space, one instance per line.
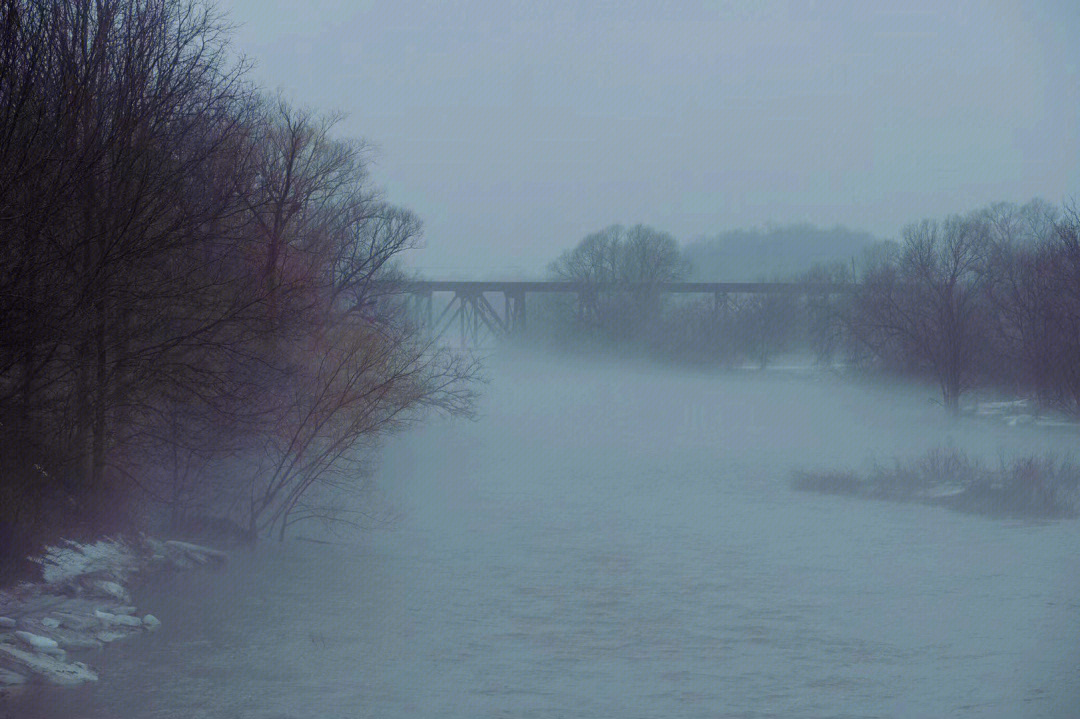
x=475 y=318
x=476 y=315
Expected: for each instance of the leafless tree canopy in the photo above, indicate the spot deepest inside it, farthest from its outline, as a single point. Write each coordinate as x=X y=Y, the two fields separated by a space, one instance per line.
x=620 y=269
x=984 y=299
x=924 y=308
x=188 y=279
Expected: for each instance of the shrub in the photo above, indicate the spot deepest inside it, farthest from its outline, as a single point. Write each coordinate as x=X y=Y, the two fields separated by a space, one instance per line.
x=1031 y=486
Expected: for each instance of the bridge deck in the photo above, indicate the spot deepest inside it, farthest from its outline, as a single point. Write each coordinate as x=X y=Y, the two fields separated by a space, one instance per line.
x=475 y=314
x=522 y=286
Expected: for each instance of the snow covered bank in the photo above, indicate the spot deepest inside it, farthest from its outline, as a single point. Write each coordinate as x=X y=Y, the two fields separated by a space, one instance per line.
x=82 y=603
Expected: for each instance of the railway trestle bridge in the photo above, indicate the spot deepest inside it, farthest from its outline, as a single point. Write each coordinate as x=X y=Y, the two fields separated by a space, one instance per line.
x=497 y=309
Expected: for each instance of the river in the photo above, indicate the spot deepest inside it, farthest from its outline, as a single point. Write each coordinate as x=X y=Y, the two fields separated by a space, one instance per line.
x=620 y=541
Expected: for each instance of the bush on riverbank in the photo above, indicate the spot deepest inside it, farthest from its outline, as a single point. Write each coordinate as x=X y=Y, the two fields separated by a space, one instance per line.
x=1030 y=486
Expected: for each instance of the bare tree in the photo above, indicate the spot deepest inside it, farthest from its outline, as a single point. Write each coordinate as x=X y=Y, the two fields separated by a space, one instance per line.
x=345 y=363
x=1020 y=295
x=1051 y=309
x=619 y=270
x=188 y=273
x=925 y=309
x=115 y=112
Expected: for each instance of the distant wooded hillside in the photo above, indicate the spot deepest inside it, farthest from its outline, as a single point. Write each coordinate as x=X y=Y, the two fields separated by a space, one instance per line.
x=772 y=252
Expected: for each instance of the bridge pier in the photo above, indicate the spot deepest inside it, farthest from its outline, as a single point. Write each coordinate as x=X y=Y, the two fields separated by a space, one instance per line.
x=514 y=311
x=419 y=307
x=588 y=305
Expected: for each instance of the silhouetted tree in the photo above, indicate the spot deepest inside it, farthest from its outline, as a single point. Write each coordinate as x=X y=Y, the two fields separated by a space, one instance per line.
x=619 y=270
x=925 y=308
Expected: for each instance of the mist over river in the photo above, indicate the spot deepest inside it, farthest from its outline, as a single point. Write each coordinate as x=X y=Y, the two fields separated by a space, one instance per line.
x=620 y=540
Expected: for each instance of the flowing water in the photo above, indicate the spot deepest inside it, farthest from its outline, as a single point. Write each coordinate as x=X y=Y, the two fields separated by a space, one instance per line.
x=621 y=542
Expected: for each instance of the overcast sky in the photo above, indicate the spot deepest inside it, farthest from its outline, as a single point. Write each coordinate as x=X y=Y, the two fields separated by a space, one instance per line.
x=515 y=128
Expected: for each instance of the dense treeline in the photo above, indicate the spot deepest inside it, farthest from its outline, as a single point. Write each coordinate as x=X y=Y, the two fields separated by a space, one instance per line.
x=622 y=309
x=989 y=299
x=190 y=282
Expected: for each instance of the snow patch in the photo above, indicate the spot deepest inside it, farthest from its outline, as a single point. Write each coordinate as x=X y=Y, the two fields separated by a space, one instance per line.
x=66 y=610
x=67 y=561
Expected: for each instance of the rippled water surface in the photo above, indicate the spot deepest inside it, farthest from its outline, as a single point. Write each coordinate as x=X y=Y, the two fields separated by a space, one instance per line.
x=621 y=542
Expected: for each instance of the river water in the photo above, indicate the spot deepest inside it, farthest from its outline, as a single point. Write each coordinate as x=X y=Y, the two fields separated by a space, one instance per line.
x=620 y=541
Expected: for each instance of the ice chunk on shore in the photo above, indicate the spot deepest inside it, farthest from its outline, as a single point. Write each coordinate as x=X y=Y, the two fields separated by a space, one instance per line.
x=125 y=620
x=40 y=643
x=74 y=641
x=105 y=588
x=50 y=668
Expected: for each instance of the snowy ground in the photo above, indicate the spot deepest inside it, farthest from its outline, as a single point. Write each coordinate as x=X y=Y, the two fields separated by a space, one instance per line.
x=81 y=604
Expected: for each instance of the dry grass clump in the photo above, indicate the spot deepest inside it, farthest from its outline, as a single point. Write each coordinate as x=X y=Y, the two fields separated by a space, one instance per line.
x=1033 y=486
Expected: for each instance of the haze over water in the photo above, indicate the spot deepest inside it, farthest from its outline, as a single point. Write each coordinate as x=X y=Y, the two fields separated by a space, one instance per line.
x=619 y=540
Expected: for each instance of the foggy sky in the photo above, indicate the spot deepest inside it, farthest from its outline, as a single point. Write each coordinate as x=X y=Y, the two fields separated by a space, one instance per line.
x=515 y=128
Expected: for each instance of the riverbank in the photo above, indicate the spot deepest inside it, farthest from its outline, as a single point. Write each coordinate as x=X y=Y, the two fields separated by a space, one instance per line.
x=82 y=603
